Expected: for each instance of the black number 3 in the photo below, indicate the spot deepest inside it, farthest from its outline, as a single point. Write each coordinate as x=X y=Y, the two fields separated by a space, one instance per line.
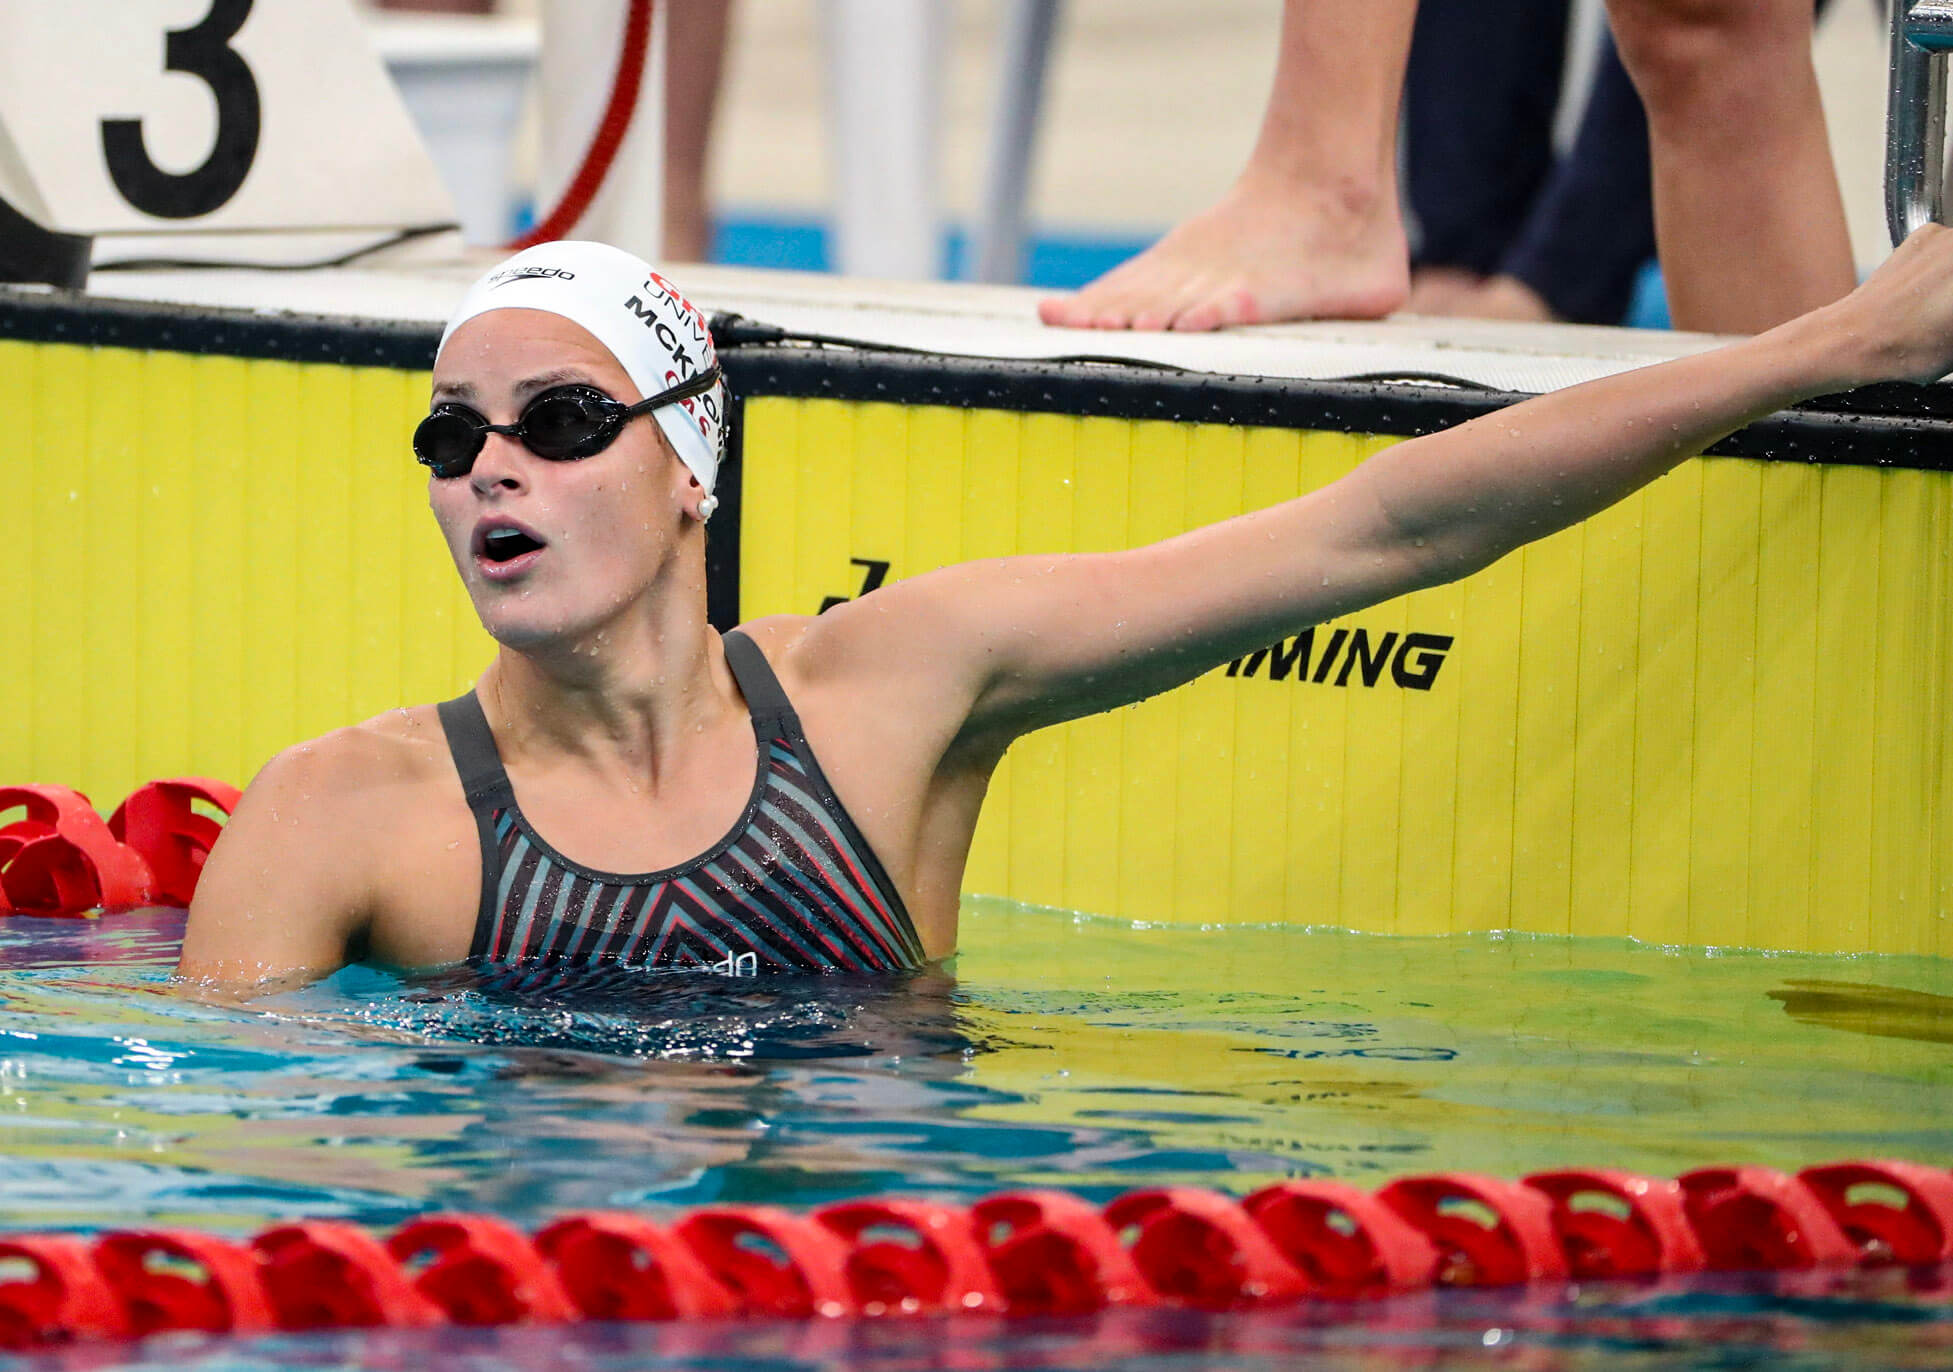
x=204 y=52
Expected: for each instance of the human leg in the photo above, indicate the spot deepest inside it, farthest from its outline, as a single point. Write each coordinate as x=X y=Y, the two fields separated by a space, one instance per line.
x=1747 y=210
x=1311 y=227
x=695 y=41
x=1592 y=227
x=1480 y=91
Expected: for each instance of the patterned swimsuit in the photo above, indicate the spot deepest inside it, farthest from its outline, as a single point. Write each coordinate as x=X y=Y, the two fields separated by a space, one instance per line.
x=793 y=887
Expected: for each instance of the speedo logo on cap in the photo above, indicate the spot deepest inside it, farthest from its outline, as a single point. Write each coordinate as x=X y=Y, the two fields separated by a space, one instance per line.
x=508 y=274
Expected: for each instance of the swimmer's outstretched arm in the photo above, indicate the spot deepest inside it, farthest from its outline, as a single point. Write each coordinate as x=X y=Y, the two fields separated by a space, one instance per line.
x=1029 y=641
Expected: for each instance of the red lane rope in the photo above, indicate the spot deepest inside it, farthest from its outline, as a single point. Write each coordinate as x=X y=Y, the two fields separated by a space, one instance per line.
x=619 y=110
x=1019 y=1253
x=59 y=857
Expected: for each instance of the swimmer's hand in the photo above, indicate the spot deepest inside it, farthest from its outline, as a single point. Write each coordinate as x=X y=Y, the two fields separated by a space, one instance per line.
x=1899 y=322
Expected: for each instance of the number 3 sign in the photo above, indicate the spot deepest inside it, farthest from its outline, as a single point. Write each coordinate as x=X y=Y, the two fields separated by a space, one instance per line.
x=161 y=116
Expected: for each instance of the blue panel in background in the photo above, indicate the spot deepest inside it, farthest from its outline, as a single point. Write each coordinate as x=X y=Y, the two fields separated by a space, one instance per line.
x=776 y=242
x=1054 y=261
x=1648 y=306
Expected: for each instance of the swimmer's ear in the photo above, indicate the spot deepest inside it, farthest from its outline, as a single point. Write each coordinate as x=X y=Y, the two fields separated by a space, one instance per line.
x=702 y=509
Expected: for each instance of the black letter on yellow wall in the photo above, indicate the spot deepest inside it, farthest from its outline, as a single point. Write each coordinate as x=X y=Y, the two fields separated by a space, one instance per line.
x=872 y=576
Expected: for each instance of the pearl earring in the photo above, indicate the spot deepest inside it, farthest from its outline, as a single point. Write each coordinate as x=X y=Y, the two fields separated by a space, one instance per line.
x=706 y=505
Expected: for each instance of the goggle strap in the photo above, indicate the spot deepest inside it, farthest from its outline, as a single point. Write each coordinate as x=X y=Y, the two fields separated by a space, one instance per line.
x=684 y=390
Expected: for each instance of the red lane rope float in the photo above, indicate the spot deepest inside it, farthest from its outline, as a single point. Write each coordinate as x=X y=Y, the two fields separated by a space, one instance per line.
x=62 y=1297
x=60 y=858
x=773 y=1261
x=323 y=1274
x=1617 y=1224
x=1488 y=1232
x=619 y=110
x=481 y=1270
x=1053 y=1254
x=1203 y=1249
x=1349 y=1244
x=161 y=822
x=1895 y=1212
x=1749 y=1217
x=911 y=1257
x=174 y=1279
x=621 y=1267
x=1021 y=1253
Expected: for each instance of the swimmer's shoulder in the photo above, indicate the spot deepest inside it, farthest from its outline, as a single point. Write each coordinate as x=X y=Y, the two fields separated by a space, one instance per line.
x=357 y=778
x=779 y=637
x=906 y=631
x=336 y=841
x=869 y=666
x=402 y=747
x=814 y=651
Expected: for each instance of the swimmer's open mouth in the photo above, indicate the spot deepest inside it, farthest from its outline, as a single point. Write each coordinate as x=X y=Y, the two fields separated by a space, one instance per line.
x=505 y=545
x=500 y=543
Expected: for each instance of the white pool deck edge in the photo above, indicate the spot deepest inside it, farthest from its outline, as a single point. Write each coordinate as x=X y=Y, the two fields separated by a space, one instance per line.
x=958 y=319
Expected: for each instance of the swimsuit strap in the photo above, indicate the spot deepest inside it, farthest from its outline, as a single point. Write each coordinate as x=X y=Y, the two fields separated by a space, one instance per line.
x=765 y=698
x=476 y=758
x=486 y=784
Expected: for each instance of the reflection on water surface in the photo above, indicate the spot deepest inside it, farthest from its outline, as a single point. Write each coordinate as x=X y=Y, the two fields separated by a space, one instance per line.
x=1053 y=1050
x=1078 y=1052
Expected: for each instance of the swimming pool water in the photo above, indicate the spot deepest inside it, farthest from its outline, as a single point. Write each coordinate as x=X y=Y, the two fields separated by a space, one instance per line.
x=1057 y=1050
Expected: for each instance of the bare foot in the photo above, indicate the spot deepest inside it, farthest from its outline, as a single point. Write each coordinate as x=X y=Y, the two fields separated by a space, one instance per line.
x=1267 y=252
x=1440 y=290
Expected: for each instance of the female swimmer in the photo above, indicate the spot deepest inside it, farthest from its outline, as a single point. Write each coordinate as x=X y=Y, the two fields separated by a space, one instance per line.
x=625 y=786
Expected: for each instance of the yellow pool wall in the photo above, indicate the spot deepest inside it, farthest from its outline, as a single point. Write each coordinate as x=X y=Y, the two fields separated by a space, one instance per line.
x=1713 y=715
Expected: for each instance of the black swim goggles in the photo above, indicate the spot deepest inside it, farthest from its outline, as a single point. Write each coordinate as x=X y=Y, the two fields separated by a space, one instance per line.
x=562 y=424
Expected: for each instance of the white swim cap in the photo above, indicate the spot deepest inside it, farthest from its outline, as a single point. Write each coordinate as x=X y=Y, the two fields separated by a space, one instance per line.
x=658 y=336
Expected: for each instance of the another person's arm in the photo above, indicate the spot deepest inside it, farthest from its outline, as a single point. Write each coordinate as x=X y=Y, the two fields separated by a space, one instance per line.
x=1028 y=641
